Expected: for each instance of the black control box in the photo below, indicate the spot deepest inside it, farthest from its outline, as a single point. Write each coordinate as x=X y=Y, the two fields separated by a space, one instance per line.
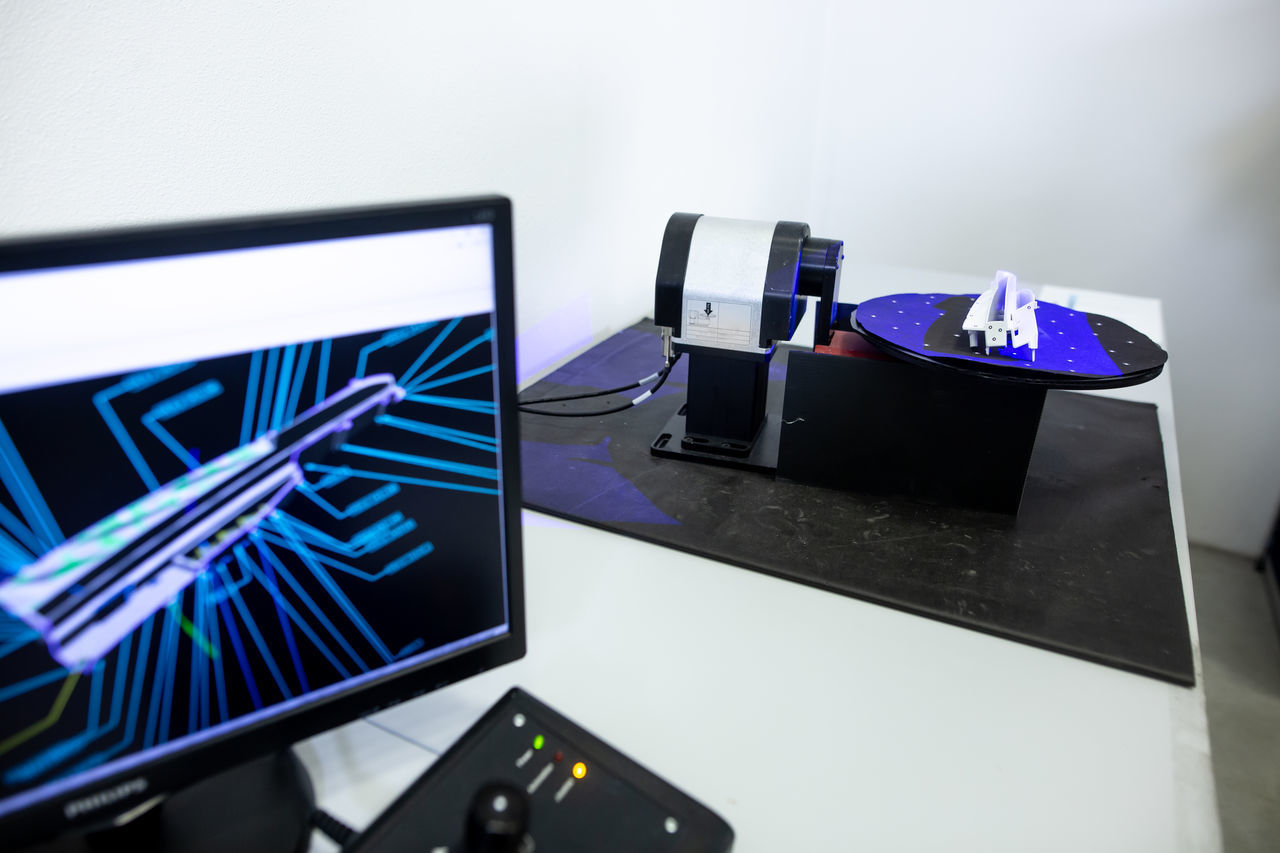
x=524 y=778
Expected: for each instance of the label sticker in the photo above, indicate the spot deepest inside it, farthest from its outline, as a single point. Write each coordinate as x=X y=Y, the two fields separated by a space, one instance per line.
x=720 y=324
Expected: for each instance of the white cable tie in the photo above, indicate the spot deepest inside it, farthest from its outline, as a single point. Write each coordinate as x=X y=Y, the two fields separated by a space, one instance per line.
x=638 y=400
x=649 y=378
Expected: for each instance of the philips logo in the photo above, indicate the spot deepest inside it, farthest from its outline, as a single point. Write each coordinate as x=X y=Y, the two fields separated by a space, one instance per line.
x=93 y=802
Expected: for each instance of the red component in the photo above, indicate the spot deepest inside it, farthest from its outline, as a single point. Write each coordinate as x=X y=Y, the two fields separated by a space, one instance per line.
x=559 y=756
x=853 y=344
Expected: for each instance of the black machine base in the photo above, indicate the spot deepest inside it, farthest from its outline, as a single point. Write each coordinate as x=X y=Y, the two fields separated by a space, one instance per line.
x=893 y=428
x=759 y=454
x=884 y=427
x=261 y=806
x=526 y=778
x=723 y=422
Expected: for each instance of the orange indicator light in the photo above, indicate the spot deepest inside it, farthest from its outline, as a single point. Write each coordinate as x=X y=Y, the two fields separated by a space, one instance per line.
x=579 y=770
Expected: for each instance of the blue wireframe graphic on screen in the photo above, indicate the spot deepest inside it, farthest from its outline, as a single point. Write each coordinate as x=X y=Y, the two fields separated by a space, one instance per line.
x=245 y=530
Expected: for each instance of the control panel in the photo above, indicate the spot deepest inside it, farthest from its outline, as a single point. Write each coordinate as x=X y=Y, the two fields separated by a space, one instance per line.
x=525 y=778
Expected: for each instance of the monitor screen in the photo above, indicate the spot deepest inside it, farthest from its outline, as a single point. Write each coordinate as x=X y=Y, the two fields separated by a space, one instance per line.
x=256 y=478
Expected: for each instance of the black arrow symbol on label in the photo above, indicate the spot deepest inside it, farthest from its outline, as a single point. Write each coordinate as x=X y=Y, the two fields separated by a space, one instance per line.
x=708 y=309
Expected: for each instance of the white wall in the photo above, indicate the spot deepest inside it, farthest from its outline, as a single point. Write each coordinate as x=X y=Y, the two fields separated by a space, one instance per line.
x=1125 y=146
x=598 y=126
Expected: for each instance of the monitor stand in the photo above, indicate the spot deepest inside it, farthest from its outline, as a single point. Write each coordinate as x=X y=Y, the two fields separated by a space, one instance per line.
x=261 y=805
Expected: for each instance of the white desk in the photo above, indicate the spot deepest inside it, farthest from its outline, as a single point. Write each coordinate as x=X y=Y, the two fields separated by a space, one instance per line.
x=812 y=721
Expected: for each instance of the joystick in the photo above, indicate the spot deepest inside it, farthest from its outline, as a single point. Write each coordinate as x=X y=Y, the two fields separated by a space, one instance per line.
x=498 y=821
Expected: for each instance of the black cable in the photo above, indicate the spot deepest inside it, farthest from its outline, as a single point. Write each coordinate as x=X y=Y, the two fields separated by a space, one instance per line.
x=591 y=414
x=662 y=377
x=341 y=834
x=587 y=394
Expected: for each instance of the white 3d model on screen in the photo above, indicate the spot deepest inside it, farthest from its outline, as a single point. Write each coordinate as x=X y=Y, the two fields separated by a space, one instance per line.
x=87 y=594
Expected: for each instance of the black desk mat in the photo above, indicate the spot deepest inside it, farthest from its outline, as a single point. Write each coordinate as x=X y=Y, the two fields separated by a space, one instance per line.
x=1088 y=568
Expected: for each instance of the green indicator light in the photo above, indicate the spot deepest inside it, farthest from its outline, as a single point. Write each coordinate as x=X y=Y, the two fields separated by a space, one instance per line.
x=538 y=741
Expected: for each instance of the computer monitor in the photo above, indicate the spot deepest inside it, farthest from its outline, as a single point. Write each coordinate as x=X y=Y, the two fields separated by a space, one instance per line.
x=257 y=478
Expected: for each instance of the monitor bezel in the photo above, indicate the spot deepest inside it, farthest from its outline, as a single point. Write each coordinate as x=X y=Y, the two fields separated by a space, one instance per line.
x=178 y=769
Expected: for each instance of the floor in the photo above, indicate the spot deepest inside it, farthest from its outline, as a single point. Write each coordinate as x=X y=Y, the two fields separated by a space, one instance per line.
x=1240 y=647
